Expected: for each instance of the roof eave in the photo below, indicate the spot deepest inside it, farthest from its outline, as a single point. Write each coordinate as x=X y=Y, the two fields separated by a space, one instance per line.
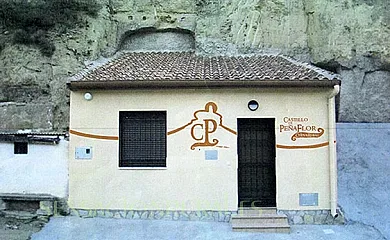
x=85 y=85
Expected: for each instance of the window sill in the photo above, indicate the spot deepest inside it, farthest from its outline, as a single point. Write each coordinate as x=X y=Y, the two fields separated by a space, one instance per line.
x=142 y=168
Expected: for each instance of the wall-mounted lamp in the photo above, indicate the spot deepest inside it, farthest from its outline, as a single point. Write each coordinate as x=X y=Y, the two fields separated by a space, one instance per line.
x=253 y=105
x=88 y=96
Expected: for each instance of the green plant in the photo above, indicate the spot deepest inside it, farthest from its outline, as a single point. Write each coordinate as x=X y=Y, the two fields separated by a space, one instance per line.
x=38 y=39
x=32 y=19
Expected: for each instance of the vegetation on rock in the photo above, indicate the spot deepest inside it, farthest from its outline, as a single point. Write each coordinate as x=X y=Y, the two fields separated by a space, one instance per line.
x=31 y=20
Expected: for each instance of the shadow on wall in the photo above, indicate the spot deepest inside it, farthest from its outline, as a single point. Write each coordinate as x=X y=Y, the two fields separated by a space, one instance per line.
x=150 y=39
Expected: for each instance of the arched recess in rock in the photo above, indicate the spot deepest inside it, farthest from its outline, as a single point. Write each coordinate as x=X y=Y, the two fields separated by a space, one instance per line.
x=152 y=39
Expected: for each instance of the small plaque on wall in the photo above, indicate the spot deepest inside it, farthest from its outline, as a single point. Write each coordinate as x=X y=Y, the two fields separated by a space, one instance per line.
x=83 y=153
x=211 y=155
x=308 y=199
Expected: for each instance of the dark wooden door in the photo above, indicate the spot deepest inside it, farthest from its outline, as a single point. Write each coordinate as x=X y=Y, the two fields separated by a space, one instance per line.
x=256 y=162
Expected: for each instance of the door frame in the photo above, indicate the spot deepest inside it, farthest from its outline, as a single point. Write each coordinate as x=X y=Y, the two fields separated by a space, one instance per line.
x=276 y=154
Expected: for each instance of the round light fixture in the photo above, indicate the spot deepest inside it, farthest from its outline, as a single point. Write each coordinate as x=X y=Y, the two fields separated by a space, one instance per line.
x=88 y=96
x=253 y=105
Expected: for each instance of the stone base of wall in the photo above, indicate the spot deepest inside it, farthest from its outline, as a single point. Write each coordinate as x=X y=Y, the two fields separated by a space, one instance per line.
x=320 y=217
x=211 y=216
x=45 y=206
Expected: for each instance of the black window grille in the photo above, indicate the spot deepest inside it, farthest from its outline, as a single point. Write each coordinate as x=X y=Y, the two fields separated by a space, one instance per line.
x=20 y=147
x=142 y=139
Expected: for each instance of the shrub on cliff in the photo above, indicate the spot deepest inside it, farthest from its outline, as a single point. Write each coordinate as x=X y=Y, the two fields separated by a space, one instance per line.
x=37 y=38
x=32 y=19
x=2 y=45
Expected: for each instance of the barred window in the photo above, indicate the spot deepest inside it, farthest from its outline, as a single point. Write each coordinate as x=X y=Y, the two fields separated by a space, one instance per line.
x=20 y=147
x=142 y=139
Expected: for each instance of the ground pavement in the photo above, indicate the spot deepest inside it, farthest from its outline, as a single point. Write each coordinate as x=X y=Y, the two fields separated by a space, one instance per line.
x=76 y=228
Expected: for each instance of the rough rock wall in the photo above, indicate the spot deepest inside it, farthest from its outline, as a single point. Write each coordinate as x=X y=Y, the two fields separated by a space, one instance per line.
x=363 y=187
x=349 y=37
x=33 y=93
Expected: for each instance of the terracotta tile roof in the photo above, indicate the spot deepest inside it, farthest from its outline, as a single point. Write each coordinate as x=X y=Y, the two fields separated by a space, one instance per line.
x=187 y=67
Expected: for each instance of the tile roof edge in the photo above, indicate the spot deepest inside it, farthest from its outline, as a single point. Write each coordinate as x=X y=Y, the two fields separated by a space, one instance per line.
x=90 y=66
x=323 y=72
x=33 y=133
x=305 y=83
x=256 y=54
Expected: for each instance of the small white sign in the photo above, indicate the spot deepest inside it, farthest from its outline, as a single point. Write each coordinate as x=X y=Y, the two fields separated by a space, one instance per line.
x=328 y=231
x=83 y=153
x=211 y=154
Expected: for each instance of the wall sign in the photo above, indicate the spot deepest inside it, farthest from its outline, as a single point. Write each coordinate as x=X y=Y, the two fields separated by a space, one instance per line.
x=203 y=125
x=211 y=154
x=83 y=153
x=308 y=199
x=301 y=127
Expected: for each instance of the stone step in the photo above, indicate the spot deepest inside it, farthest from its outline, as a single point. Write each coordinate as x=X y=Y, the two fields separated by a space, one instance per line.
x=27 y=197
x=256 y=211
x=259 y=219
x=265 y=228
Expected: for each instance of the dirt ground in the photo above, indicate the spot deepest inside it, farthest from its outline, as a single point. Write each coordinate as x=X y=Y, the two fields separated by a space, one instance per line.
x=15 y=229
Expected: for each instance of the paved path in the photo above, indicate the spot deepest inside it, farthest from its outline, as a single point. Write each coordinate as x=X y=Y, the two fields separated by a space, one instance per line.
x=75 y=228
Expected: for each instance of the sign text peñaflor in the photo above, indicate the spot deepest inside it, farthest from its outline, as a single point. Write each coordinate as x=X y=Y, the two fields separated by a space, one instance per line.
x=300 y=128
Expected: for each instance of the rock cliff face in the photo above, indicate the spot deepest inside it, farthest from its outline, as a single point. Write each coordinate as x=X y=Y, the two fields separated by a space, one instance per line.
x=349 y=37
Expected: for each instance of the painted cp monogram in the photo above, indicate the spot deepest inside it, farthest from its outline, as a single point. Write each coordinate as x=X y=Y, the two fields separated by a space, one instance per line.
x=203 y=125
x=208 y=126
